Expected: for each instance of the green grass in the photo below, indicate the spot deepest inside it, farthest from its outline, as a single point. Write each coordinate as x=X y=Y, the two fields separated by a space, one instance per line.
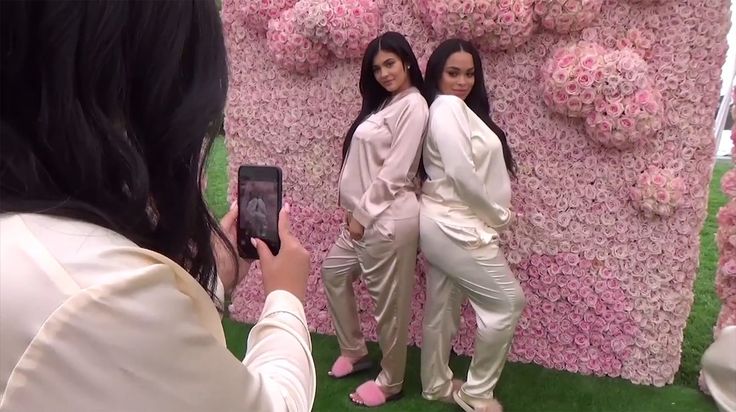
x=526 y=387
x=217 y=178
x=699 y=330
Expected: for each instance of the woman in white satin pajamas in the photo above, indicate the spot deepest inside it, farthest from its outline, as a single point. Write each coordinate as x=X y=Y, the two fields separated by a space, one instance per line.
x=465 y=203
x=381 y=156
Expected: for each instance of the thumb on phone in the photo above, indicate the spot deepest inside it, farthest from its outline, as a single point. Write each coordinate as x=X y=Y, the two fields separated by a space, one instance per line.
x=290 y=268
x=264 y=253
x=284 y=224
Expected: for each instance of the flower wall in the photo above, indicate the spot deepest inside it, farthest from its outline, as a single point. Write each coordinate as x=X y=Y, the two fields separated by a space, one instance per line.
x=609 y=107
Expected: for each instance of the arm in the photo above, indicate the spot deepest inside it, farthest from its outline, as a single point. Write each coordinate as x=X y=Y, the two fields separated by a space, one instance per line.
x=280 y=350
x=450 y=126
x=144 y=345
x=407 y=132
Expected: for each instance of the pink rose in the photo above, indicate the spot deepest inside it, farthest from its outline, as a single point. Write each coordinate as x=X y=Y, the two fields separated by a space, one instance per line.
x=565 y=61
x=581 y=341
x=560 y=76
x=575 y=104
x=553 y=294
x=729 y=268
x=643 y=97
x=662 y=196
x=572 y=88
x=626 y=123
x=560 y=97
x=505 y=4
x=615 y=109
x=587 y=96
x=659 y=180
x=588 y=62
x=506 y=18
x=651 y=107
x=605 y=126
x=585 y=80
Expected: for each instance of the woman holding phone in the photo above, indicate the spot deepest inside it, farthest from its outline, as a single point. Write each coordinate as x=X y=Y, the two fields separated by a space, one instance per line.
x=381 y=155
x=111 y=264
x=465 y=203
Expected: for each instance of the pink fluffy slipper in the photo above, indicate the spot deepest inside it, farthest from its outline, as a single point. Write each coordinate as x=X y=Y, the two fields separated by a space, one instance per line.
x=371 y=395
x=344 y=366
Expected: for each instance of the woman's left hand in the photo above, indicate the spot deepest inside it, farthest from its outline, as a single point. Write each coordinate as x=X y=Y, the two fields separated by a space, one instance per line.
x=356 y=229
x=229 y=275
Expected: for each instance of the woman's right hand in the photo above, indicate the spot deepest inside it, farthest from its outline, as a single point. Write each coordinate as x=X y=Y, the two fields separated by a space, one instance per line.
x=290 y=268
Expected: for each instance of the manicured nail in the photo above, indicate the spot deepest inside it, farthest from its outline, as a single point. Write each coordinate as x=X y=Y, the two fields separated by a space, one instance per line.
x=233 y=204
x=253 y=242
x=287 y=207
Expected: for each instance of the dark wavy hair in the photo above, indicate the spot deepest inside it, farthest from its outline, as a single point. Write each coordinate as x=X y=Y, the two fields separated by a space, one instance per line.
x=477 y=99
x=106 y=113
x=372 y=92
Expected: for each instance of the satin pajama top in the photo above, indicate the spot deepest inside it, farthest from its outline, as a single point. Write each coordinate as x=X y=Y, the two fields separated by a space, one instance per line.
x=468 y=190
x=377 y=179
x=92 y=322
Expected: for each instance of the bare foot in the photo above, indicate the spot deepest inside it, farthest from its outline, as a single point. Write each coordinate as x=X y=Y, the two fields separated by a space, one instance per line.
x=358 y=400
x=377 y=395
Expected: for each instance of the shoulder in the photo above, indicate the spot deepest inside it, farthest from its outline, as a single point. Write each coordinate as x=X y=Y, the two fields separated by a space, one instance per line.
x=415 y=98
x=446 y=102
x=82 y=276
x=76 y=255
x=412 y=101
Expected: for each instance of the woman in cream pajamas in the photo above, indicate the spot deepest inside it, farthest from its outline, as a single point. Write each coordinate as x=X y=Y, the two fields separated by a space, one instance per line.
x=381 y=156
x=465 y=203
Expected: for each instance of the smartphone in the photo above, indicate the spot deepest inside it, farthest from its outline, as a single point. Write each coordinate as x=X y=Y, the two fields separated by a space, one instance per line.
x=259 y=203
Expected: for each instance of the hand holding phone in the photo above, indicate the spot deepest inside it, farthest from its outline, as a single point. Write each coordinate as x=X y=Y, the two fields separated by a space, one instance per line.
x=259 y=203
x=290 y=269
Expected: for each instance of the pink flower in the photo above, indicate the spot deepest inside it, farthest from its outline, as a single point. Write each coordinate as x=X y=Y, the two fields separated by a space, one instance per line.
x=728 y=183
x=585 y=80
x=575 y=104
x=572 y=88
x=729 y=268
x=565 y=61
x=659 y=180
x=662 y=196
x=581 y=341
x=605 y=126
x=589 y=62
x=626 y=123
x=615 y=109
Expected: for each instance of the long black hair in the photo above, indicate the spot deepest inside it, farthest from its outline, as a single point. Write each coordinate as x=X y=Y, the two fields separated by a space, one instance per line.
x=477 y=99
x=106 y=113
x=372 y=92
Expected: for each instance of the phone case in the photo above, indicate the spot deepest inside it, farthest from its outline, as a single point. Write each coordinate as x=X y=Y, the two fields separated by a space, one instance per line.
x=259 y=208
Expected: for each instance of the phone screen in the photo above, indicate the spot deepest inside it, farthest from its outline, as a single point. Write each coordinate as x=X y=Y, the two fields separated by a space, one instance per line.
x=259 y=205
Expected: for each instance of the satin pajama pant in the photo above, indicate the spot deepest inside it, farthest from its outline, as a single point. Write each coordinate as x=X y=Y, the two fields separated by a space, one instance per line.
x=483 y=276
x=386 y=258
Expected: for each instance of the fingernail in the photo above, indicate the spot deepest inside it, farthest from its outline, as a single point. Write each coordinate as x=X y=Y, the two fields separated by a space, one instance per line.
x=253 y=242
x=287 y=207
x=233 y=204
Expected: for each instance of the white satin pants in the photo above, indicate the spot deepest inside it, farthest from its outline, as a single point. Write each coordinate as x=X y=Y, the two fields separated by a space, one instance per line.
x=483 y=276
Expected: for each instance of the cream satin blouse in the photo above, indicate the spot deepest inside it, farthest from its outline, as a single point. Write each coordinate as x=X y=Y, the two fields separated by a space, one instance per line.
x=92 y=322
x=468 y=192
